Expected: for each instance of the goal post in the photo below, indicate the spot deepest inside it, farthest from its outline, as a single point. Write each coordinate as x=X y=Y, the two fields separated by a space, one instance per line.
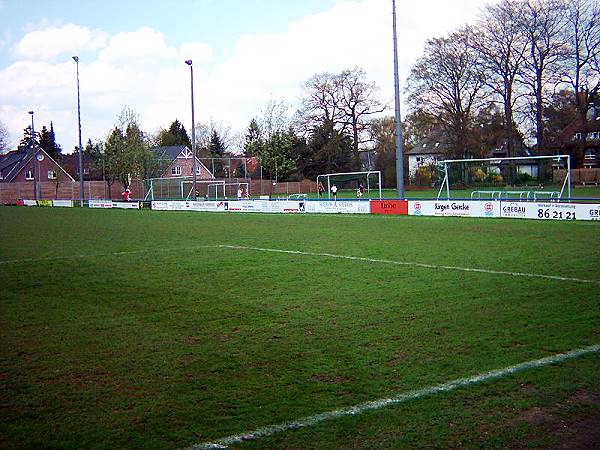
x=181 y=188
x=522 y=178
x=368 y=181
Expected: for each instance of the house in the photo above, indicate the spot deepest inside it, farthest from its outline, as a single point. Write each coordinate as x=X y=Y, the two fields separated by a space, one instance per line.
x=31 y=164
x=178 y=162
x=91 y=171
x=585 y=152
x=435 y=148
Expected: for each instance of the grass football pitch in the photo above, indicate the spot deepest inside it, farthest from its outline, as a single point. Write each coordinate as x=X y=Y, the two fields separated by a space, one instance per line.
x=144 y=329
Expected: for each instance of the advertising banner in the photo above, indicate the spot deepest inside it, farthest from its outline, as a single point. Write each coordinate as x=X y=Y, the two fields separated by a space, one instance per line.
x=30 y=202
x=338 y=207
x=445 y=208
x=265 y=206
x=126 y=205
x=104 y=204
x=62 y=203
x=551 y=211
x=187 y=206
x=397 y=207
x=588 y=211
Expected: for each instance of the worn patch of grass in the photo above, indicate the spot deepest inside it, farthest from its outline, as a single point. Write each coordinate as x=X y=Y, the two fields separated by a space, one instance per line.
x=131 y=329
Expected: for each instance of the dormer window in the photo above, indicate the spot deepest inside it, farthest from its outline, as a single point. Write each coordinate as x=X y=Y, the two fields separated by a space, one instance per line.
x=578 y=136
x=176 y=170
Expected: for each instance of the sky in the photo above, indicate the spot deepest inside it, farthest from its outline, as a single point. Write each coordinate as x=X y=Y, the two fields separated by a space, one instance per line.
x=244 y=52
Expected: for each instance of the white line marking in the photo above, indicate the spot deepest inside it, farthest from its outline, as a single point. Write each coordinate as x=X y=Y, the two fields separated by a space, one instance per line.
x=414 y=264
x=400 y=398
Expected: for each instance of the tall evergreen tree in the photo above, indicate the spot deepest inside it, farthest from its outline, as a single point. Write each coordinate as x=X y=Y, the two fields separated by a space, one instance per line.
x=175 y=135
x=28 y=140
x=253 y=139
x=48 y=142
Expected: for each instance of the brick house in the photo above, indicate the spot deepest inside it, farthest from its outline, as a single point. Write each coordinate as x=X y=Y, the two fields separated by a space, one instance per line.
x=585 y=153
x=178 y=162
x=32 y=164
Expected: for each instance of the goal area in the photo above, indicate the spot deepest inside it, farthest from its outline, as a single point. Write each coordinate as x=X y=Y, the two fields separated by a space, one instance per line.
x=182 y=188
x=350 y=184
x=532 y=178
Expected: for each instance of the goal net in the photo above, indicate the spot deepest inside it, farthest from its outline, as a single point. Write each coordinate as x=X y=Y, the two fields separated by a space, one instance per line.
x=182 y=188
x=350 y=185
x=516 y=178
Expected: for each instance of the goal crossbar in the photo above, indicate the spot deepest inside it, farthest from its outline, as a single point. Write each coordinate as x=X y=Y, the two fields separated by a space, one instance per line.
x=366 y=174
x=566 y=184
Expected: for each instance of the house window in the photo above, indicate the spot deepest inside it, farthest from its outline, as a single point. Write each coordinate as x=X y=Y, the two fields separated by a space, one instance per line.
x=86 y=171
x=577 y=136
x=590 y=153
x=29 y=174
x=596 y=135
x=176 y=170
x=51 y=175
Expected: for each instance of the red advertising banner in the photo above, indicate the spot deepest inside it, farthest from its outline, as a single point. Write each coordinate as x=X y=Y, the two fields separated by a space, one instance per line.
x=399 y=207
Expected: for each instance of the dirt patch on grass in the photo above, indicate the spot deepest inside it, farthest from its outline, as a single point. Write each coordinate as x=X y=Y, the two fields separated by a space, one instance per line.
x=574 y=423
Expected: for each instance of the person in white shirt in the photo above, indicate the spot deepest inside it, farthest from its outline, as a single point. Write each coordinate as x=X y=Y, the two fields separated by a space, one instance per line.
x=334 y=191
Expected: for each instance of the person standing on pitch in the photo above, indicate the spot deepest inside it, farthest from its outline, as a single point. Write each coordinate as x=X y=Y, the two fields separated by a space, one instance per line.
x=334 y=192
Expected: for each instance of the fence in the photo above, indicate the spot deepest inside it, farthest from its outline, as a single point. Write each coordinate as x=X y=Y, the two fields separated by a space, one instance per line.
x=69 y=190
x=580 y=176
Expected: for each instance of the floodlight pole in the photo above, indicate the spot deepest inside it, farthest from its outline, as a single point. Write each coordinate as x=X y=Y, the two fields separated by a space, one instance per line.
x=81 y=191
x=189 y=63
x=32 y=145
x=399 y=139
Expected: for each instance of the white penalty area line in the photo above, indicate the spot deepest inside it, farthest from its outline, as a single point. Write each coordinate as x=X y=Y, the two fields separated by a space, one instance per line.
x=412 y=264
x=400 y=398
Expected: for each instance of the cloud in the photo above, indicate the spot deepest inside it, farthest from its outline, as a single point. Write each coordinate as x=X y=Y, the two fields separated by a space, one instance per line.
x=139 y=68
x=47 y=44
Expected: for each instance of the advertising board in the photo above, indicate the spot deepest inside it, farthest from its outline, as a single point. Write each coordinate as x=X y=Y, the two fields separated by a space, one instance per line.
x=103 y=204
x=550 y=211
x=265 y=206
x=62 y=203
x=445 y=208
x=126 y=205
x=397 y=207
x=338 y=207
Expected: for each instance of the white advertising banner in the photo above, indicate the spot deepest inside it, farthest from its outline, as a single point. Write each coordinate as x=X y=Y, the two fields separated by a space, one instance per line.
x=30 y=202
x=265 y=206
x=338 y=207
x=126 y=205
x=63 y=203
x=551 y=211
x=588 y=211
x=187 y=206
x=109 y=204
x=445 y=208
x=105 y=204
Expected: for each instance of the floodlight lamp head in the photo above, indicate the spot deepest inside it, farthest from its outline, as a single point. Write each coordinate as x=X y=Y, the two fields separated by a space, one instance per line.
x=189 y=62
x=76 y=59
x=30 y=112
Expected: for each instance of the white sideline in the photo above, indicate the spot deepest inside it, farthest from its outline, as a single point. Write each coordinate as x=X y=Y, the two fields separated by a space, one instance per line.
x=400 y=398
x=414 y=264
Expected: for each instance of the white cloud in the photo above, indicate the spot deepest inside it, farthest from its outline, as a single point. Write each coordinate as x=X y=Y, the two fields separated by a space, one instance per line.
x=47 y=44
x=138 y=68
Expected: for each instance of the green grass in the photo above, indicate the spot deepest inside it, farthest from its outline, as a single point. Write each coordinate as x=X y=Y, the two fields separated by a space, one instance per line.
x=131 y=329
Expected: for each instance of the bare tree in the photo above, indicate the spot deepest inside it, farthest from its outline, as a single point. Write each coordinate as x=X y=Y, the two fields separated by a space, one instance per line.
x=346 y=100
x=358 y=104
x=502 y=47
x=543 y=23
x=446 y=83
x=3 y=138
x=583 y=38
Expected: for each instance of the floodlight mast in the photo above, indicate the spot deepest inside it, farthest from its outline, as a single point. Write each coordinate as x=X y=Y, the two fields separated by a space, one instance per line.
x=194 y=167
x=81 y=190
x=399 y=150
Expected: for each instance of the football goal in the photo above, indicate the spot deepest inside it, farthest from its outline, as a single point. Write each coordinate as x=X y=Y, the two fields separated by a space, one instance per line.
x=181 y=188
x=350 y=184
x=516 y=178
